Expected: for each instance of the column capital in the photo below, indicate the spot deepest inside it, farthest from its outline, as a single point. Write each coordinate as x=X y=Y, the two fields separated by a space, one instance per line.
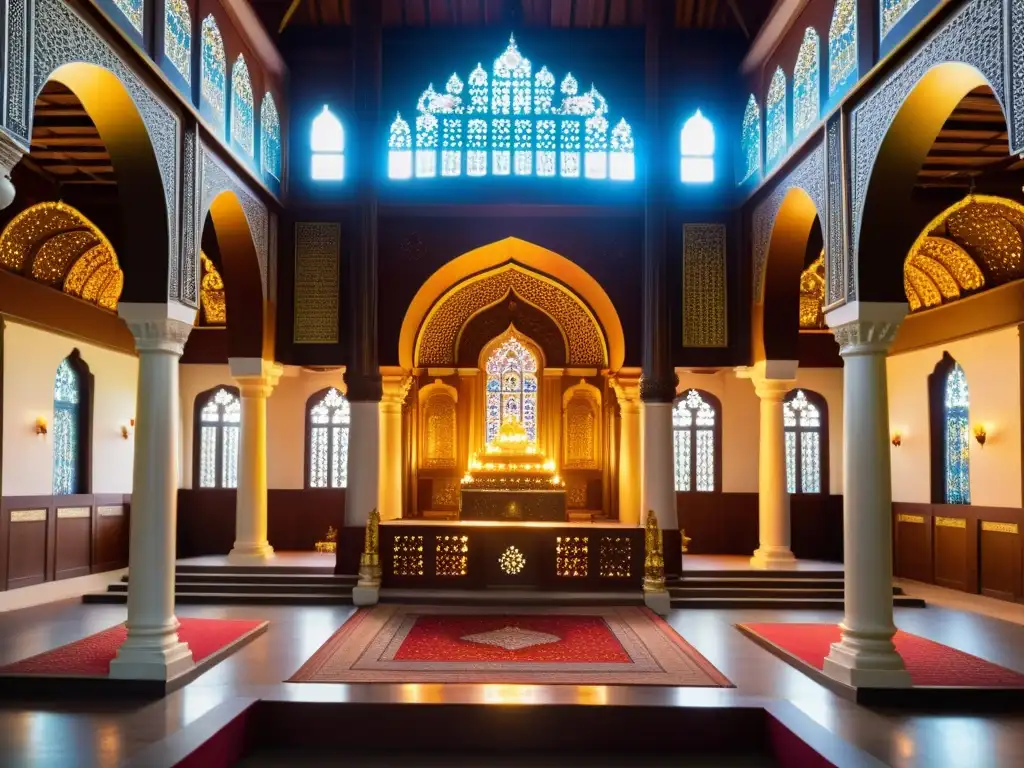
x=11 y=153
x=158 y=327
x=627 y=391
x=394 y=388
x=866 y=328
x=256 y=377
x=772 y=379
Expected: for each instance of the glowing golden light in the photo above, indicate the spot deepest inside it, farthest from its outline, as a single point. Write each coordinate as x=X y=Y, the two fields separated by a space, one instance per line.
x=512 y=561
x=211 y=294
x=812 y=294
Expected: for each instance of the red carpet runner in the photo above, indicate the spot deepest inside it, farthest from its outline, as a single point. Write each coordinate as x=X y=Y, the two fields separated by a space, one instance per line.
x=91 y=656
x=929 y=663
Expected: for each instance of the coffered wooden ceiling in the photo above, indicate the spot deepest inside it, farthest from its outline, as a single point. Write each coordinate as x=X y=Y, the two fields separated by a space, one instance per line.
x=742 y=16
x=66 y=147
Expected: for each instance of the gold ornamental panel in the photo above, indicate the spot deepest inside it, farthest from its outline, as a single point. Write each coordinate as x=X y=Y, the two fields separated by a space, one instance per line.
x=615 y=557
x=704 y=286
x=572 y=556
x=581 y=428
x=451 y=555
x=444 y=492
x=438 y=430
x=950 y=522
x=999 y=527
x=576 y=493
x=438 y=337
x=905 y=518
x=407 y=556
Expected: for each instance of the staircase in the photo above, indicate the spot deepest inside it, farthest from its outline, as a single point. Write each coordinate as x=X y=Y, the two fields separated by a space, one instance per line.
x=808 y=590
x=230 y=584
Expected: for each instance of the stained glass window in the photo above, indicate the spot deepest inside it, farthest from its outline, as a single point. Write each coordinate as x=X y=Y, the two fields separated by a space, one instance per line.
x=242 y=125
x=697 y=150
x=842 y=44
x=775 y=119
x=750 y=143
x=329 y=418
x=327 y=141
x=956 y=442
x=67 y=437
x=510 y=125
x=178 y=36
x=693 y=437
x=213 y=63
x=511 y=389
x=220 y=420
x=892 y=12
x=802 y=421
x=132 y=10
x=806 y=84
x=270 y=137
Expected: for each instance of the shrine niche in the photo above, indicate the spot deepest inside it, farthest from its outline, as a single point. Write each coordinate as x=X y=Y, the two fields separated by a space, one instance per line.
x=438 y=425
x=581 y=427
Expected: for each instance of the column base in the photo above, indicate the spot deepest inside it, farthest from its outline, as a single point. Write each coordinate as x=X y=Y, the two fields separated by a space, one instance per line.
x=769 y=558
x=866 y=660
x=149 y=654
x=364 y=595
x=658 y=601
x=250 y=554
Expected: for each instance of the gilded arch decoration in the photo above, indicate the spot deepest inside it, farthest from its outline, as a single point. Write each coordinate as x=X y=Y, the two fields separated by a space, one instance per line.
x=438 y=425
x=976 y=35
x=581 y=427
x=62 y=37
x=809 y=176
x=437 y=344
x=216 y=178
x=559 y=271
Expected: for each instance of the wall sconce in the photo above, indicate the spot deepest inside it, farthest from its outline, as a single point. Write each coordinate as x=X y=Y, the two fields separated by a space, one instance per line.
x=980 y=434
x=897 y=439
x=41 y=426
x=126 y=432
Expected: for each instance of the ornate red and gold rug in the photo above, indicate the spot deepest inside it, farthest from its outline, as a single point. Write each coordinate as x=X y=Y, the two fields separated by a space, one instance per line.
x=571 y=646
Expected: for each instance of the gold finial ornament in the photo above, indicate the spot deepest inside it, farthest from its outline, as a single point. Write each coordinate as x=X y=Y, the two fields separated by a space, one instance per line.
x=369 y=561
x=330 y=542
x=654 y=555
x=686 y=540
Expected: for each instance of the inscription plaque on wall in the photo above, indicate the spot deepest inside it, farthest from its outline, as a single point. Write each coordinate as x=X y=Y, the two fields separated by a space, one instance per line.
x=704 y=303
x=317 y=261
x=72 y=513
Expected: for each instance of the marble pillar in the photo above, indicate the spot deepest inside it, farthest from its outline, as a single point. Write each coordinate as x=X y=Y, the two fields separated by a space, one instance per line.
x=152 y=650
x=362 y=493
x=772 y=380
x=658 y=488
x=865 y=655
x=395 y=387
x=256 y=379
x=627 y=391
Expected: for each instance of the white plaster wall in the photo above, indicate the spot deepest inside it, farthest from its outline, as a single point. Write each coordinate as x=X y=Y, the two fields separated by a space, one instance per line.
x=992 y=363
x=30 y=360
x=286 y=418
x=741 y=415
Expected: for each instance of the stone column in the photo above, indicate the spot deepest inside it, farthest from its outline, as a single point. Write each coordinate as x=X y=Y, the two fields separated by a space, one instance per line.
x=772 y=380
x=627 y=391
x=11 y=153
x=152 y=650
x=865 y=656
x=256 y=380
x=395 y=387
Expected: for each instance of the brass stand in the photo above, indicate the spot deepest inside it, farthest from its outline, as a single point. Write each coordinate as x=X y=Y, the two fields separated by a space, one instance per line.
x=369 y=561
x=654 y=556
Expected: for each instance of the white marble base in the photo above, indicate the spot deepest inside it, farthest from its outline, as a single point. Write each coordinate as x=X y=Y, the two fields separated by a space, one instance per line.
x=250 y=554
x=141 y=662
x=365 y=595
x=866 y=664
x=660 y=602
x=772 y=558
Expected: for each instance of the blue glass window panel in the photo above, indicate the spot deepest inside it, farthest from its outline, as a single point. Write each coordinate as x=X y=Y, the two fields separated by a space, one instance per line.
x=213 y=66
x=178 y=37
x=66 y=440
x=242 y=126
x=842 y=44
x=775 y=120
x=750 y=142
x=956 y=438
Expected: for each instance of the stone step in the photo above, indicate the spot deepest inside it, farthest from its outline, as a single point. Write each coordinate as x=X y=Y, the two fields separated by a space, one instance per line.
x=757 y=582
x=294 y=580
x=780 y=603
x=343 y=588
x=231 y=598
x=278 y=570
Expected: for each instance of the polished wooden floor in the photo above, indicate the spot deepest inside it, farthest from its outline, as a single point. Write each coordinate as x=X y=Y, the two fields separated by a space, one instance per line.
x=105 y=734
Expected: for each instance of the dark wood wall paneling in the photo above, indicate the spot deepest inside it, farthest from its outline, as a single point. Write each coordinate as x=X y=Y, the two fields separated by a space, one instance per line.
x=296 y=519
x=979 y=550
x=727 y=524
x=59 y=542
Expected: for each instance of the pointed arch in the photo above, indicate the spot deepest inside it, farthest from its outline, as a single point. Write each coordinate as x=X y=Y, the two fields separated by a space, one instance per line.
x=581 y=427
x=511 y=364
x=178 y=37
x=805 y=425
x=328 y=417
x=243 y=127
x=72 y=416
x=216 y=437
x=950 y=436
x=270 y=137
x=750 y=142
x=697 y=442
x=697 y=150
x=842 y=44
x=327 y=142
x=807 y=84
x=776 y=141
x=213 y=68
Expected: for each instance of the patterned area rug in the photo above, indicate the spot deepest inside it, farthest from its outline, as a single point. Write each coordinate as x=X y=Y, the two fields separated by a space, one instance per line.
x=571 y=646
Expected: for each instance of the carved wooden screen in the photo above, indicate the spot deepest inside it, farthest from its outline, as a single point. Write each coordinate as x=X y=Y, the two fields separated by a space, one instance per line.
x=437 y=427
x=581 y=428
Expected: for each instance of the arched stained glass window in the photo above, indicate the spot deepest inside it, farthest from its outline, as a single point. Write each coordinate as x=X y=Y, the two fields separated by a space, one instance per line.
x=512 y=388
x=133 y=11
x=775 y=119
x=327 y=141
x=806 y=84
x=219 y=419
x=804 y=419
x=68 y=437
x=178 y=37
x=956 y=438
x=892 y=12
x=242 y=125
x=510 y=125
x=327 y=422
x=697 y=150
x=750 y=142
x=270 y=137
x=695 y=438
x=212 y=66
x=842 y=44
